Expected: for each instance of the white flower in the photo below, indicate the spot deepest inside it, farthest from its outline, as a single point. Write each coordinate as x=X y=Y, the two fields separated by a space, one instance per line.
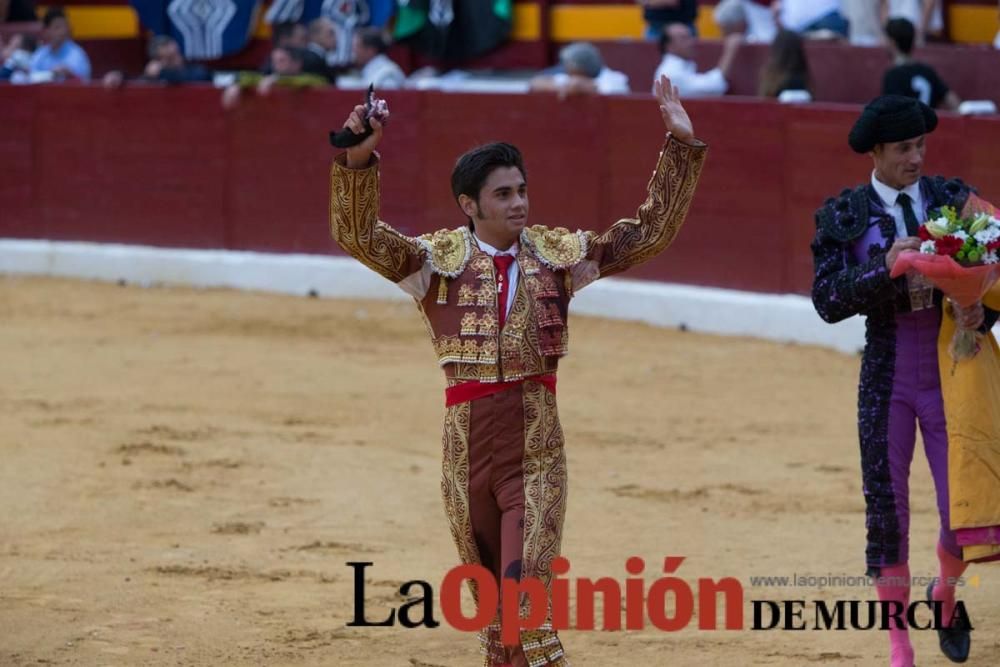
x=991 y=257
x=960 y=234
x=928 y=248
x=987 y=235
x=937 y=228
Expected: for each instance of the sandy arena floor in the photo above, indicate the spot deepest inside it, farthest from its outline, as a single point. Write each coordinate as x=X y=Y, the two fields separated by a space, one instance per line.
x=186 y=472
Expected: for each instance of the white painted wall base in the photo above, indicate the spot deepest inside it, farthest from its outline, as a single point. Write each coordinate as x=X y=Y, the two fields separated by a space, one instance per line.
x=784 y=318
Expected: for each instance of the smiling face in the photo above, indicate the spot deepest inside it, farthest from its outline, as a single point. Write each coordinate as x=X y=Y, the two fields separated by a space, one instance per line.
x=899 y=164
x=501 y=210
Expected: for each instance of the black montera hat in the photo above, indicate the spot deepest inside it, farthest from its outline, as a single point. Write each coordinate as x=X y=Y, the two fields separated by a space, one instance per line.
x=891 y=118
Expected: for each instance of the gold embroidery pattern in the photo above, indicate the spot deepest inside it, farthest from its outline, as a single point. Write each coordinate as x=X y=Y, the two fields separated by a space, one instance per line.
x=449 y=250
x=455 y=483
x=491 y=646
x=545 y=486
x=482 y=266
x=631 y=241
x=469 y=324
x=354 y=224
x=486 y=295
x=513 y=364
x=529 y=265
x=557 y=248
x=466 y=295
x=488 y=325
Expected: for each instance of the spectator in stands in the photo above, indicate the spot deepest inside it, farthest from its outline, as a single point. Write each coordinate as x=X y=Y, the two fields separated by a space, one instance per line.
x=15 y=11
x=677 y=47
x=290 y=35
x=369 y=53
x=60 y=58
x=660 y=13
x=323 y=40
x=584 y=72
x=911 y=78
x=321 y=53
x=15 y=58
x=166 y=64
x=864 y=21
x=925 y=15
x=287 y=64
x=751 y=18
x=811 y=16
x=786 y=68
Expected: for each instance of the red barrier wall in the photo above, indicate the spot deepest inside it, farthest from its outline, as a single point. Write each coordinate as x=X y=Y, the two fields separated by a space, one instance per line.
x=170 y=167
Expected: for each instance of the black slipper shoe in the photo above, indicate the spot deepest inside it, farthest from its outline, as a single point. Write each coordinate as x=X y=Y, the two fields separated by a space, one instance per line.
x=955 y=642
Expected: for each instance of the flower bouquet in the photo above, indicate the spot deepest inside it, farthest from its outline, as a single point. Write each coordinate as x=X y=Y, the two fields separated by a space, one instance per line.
x=960 y=255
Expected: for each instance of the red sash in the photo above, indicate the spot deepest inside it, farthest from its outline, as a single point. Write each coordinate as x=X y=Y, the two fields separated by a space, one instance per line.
x=473 y=389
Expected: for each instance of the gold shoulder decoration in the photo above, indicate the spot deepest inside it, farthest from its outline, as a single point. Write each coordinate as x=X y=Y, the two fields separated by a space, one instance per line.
x=558 y=248
x=449 y=250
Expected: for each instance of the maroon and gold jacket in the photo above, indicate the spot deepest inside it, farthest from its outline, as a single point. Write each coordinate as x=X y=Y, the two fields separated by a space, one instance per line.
x=453 y=281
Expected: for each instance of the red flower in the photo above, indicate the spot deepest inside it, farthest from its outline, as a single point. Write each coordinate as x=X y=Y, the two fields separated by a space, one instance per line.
x=993 y=245
x=924 y=234
x=949 y=245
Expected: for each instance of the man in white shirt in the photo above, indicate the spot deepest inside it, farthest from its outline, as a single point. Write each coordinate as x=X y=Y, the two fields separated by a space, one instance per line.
x=752 y=18
x=377 y=68
x=677 y=47
x=585 y=73
x=810 y=16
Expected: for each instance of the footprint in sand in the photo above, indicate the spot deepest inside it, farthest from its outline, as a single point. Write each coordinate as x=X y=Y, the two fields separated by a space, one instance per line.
x=238 y=528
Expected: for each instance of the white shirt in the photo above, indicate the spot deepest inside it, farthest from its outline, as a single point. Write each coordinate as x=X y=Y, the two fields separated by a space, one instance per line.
x=513 y=273
x=797 y=15
x=913 y=11
x=865 y=26
x=382 y=72
x=889 y=197
x=690 y=83
x=761 y=27
x=608 y=81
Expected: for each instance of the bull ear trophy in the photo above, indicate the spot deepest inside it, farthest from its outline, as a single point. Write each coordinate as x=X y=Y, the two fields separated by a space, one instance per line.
x=374 y=108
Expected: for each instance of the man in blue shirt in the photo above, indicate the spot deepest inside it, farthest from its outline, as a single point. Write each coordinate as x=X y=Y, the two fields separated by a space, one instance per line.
x=61 y=56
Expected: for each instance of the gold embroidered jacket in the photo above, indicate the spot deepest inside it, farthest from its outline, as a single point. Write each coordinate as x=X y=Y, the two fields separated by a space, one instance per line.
x=453 y=282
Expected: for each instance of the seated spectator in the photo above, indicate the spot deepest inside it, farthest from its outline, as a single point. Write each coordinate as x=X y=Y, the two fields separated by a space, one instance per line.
x=786 y=68
x=17 y=11
x=751 y=18
x=322 y=56
x=584 y=72
x=287 y=64
x=323 y=40
x=60 y=58
x=677 y=46
x=658 y=14
x=292 y=35
x=811 y=16
x=15 y=58
x=369 y=52
x=864 y=21
x=911 y=78
x=166 y=64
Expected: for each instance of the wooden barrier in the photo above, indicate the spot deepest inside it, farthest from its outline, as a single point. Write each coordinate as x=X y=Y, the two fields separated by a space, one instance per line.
x=170 y=167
